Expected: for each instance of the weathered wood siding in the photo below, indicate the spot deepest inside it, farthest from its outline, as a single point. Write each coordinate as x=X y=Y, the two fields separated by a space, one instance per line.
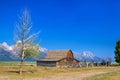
x=46 y=63
x=65 y=59
x=70 y=55
x=62 y=63
x=68 y=63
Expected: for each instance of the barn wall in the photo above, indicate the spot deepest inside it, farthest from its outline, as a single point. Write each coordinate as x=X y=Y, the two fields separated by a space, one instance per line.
x=70 y=55
x=75 y=63
x=62 y=63
x=68 y=63
x=46 y=63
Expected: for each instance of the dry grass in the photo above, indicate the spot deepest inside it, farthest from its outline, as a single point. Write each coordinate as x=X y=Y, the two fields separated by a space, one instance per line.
x=112 y=75
x=115 y=76
x=31 y=71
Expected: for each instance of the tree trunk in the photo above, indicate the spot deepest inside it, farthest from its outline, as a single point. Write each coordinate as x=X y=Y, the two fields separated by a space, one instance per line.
x=21 y=63
x=21 y=67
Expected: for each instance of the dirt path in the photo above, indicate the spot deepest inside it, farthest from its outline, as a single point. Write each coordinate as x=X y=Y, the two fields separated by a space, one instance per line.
x=70 y=76
x=76 y=76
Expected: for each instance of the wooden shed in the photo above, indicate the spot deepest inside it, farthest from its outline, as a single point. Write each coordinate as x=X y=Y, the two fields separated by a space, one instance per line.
x=59 y=58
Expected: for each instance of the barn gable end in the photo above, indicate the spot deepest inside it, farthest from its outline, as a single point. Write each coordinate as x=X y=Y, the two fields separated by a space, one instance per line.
x=58 y=58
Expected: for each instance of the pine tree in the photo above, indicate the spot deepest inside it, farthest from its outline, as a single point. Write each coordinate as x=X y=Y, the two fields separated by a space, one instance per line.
x=117 y=52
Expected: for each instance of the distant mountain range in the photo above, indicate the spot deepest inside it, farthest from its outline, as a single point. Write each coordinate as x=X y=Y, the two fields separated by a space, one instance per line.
x=86 y=56
x=9 y=53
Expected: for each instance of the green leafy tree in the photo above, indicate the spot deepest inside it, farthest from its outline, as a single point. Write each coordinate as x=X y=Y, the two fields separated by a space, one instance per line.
x=117 y=52
x=30 y=50
x=26 y=45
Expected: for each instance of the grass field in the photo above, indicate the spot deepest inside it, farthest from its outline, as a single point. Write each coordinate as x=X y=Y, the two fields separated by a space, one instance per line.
x=107 y=76
x=9 y=71
x=16 y=63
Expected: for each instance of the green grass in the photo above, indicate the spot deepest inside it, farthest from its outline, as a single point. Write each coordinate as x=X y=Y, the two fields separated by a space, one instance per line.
x=114 y=64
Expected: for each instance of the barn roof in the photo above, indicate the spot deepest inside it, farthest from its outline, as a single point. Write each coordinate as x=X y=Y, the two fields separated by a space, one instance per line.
x=57 y=54
x=48 y=59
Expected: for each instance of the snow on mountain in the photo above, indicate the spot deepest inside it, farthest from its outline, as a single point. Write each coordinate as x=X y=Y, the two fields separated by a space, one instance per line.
x=6 y=52
x=5 y=46
x=86 y=56
x=11 y=52
x=43 y=50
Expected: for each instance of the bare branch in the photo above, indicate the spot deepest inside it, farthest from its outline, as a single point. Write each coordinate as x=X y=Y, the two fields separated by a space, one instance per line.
x=23 y=33
x=28 y=39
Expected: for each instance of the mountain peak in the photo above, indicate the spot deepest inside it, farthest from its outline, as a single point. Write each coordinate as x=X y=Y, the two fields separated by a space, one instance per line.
x=6 y=46
x=88 y=54
x=12 y=52
x=43 y=50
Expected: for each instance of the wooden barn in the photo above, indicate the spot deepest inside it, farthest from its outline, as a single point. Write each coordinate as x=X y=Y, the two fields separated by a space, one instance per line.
x=59 y=58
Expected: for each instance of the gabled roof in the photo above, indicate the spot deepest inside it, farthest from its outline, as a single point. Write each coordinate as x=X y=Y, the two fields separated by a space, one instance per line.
x=48 y=59
x=57 y=54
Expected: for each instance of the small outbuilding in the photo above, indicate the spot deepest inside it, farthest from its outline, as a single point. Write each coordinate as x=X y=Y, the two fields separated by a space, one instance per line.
x=59 y=58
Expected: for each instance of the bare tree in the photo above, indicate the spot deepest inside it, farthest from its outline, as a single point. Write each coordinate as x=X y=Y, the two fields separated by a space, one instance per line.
x=26 y=38
x=109 y=60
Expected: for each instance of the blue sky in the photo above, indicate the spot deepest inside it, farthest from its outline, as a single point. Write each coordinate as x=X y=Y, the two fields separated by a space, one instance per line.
x=78 y=25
